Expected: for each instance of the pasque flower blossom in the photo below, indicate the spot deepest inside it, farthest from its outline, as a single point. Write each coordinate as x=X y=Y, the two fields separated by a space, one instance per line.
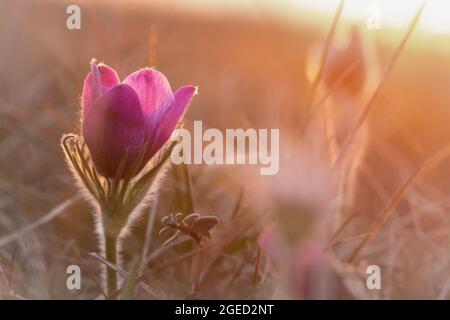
x=124 y=124
x=120 y=119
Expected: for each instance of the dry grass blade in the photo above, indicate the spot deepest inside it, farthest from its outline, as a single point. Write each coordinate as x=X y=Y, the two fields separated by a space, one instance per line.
x=316 y=106
x=45 y=219
x=387 y=212
x=163 y=249
x=257 y=262
x=238 y=206
x=369 y=106
x=324 y=56
x=11 y=267
x=165 y=265
x=108 y=264
x=187 y=181
x=343 y=226
x=11 y=296
x=138 y=281
x=148 y=233
x=153 y=46
x=198 y=273
x=346 y=240
x=90 y=274
x=130 y=281
x=5 y=281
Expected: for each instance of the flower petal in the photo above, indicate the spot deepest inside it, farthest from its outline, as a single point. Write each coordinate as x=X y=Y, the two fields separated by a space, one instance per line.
x=153 y=90
x=171 y=116
x=91 y=91
x=115 y=127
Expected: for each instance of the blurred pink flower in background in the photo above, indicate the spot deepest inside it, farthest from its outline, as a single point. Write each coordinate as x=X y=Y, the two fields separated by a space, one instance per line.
x=305 y=271
x=346 y=67
x=120 y=118
x=310 y=268
x=272 y=245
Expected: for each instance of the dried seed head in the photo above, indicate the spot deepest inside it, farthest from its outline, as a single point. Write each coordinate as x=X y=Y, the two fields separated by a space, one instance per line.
x=192 y=225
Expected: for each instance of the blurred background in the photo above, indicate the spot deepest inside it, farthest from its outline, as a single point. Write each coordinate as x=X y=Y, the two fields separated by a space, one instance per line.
x=250 y=60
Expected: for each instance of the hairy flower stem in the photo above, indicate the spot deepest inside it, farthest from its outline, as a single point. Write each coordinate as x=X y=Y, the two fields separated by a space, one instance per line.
x=111 y=230
x=111 y=256
x=115 y=198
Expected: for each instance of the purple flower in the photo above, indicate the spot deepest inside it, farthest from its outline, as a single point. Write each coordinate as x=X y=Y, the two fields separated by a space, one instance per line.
x=120 y=118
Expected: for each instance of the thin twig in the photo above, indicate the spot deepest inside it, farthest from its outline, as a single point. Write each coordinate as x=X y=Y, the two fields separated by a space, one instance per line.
x=110 y=265
x=149 y=232
x=187 y=181
x=139 y=280
x=198 y=273
x=45 y=219
x=344 y=225
x=90 y=274
x=324 y=56
x=11 y=268
x=183 y=257
x=162 y=249
x=256 y=271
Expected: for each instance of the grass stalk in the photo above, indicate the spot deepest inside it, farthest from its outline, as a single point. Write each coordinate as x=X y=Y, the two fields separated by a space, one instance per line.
x=324 y=56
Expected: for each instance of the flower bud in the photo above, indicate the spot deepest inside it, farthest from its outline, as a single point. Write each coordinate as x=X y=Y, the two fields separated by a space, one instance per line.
x=121 y=119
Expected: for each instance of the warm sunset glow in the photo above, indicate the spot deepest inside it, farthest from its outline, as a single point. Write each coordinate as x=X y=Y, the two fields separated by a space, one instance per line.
x=246 y=152
x=435 y=17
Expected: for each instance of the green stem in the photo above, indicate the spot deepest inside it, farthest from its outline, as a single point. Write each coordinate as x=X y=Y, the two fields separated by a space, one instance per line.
x=111 y=256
